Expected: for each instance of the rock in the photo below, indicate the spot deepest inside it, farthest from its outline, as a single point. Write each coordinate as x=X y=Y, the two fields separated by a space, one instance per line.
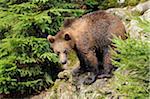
x=146 y=15
x=120 y=1
x=142 y=7
x=122 y=13
x=127 y=15
x=66 y=74
x=133 y=29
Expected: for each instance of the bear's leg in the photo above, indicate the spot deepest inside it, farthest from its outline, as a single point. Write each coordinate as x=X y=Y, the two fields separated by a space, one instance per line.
x=88 y=63
x=108 y=67
x=77 y=71
x=82 y=67
x=92 y=62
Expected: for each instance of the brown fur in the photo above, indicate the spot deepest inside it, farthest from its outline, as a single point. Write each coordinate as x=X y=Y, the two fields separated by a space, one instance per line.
x=90 y=36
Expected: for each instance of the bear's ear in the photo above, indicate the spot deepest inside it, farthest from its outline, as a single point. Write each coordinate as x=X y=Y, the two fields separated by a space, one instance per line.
x=68 y=22
x=50 y=38
x=67 y=37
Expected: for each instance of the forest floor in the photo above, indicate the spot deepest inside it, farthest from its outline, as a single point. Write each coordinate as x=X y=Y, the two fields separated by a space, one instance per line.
x=65 y=89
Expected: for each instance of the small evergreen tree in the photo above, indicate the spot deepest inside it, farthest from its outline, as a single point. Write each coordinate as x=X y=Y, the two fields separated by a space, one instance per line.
x=26 y=61
x=132 y=76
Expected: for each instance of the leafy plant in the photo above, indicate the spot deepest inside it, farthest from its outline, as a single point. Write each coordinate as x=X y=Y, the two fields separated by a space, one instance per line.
x=132 y=76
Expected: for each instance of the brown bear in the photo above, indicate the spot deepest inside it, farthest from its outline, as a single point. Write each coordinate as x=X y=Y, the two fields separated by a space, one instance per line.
x=90 y=36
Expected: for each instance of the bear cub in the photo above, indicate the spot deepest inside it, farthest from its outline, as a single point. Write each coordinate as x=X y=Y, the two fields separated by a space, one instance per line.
x=90 y=37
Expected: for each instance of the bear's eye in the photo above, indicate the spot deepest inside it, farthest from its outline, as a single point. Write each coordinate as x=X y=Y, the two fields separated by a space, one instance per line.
x=67 y=37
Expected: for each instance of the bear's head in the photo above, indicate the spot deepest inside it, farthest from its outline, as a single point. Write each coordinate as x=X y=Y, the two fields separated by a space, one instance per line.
x=61 y=44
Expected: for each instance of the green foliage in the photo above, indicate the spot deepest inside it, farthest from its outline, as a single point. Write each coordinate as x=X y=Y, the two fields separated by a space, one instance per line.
x=144 y=24
x=27 y=63
x=105 y=4
x=22 y=65
x=131 y=79
x=108 y=4
x=132 y=75
x=132 y=2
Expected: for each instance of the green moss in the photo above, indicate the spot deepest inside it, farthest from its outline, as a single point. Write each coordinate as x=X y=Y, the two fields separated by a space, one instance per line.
x=133 y=2
x=105 y=4
x=73 y=59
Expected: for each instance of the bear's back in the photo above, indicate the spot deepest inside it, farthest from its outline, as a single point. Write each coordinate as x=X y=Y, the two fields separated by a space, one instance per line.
x=96 y=28
x=103 y=22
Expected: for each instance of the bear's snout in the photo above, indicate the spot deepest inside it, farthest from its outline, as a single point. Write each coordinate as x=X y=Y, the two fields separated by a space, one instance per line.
x=64 y=62
x=62 y=58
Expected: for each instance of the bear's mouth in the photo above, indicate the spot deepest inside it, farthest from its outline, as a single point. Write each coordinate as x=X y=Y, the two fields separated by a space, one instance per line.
x=65 y=66
x=64 y=62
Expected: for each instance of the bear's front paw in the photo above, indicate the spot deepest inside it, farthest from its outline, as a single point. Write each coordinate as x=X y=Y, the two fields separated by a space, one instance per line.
x=90 y=79
x=77 y=71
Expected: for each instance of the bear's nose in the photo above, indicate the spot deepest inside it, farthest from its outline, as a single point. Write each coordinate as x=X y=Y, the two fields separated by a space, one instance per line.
x=64 y=62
